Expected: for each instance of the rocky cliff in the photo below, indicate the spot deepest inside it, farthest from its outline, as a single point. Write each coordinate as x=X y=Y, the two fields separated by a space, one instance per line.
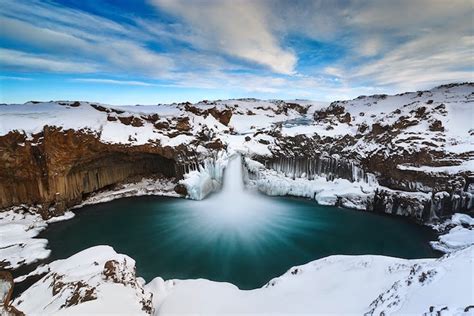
x=415 y=148
x=57 y=168
x=408 y=154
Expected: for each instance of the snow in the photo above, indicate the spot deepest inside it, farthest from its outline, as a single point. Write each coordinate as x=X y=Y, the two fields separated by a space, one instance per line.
x=18 y=229
x=146 y=186
x=79 y=285
x=324 y=286
x=342 y=192
x=353 y=194
x=460 y=219
x=458 y=237
x=464 y=166
x=207 y=177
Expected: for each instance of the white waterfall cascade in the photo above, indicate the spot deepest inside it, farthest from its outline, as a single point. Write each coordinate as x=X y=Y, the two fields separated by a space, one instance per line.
x=234 y=208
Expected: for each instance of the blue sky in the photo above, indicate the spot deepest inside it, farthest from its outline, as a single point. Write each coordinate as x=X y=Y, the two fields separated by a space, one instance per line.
x=152 y=51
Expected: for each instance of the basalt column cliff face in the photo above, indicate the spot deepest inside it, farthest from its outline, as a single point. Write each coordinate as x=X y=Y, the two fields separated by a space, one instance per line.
x=54 y=154
x=57 y=168
x=410 y=154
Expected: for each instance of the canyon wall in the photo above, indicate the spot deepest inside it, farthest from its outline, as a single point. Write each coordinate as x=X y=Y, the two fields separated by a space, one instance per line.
x=383 y=188
x=56 y=169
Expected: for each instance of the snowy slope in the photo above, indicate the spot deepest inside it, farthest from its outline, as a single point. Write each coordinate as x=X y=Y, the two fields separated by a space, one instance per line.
x=85 y=283
x=96 y=280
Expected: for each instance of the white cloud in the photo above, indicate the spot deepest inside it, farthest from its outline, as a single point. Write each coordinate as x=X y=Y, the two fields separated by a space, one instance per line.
x=386 y=45
x=423 y=62
x=236 y=28
x=65 y=32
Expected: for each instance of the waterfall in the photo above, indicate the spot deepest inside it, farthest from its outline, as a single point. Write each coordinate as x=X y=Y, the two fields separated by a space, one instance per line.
x=233 y=178
x=234 y=209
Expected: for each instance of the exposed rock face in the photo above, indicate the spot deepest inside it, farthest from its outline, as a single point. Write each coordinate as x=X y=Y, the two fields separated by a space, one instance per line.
x=57 y=168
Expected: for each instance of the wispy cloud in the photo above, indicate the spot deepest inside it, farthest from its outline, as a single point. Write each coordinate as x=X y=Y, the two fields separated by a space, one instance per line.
x=65 y=32
x=15 y=78
x=243 y=46
x=17 y=60
x=117 y=82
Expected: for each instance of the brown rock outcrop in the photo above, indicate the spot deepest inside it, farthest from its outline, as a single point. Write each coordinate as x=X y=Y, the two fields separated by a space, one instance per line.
x=57 y=168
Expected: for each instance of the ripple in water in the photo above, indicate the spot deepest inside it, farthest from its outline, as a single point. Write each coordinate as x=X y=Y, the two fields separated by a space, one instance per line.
x=235 y=235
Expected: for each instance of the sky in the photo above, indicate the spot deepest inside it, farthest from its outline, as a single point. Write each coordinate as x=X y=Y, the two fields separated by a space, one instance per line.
x=162 y=51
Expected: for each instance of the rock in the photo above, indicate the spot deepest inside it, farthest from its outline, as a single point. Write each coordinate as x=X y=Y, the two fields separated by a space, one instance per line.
x=57 y=168
x=223 y=116
x=378 y=128
x=89 y=278
x=181 y=189
x=6 y=290
x=436 y=126
x=183 y=124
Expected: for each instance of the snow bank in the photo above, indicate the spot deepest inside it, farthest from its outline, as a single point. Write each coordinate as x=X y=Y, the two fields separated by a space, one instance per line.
x=94 y=281
x=336 y=192
x=98 y=280
x=146 y=186
x=18 y=229
x=458 y=237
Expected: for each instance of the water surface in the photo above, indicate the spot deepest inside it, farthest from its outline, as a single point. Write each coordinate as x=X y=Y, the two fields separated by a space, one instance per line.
x=246 y=241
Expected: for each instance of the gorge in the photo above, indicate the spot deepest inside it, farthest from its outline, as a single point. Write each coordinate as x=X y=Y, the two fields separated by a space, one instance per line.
x=234 y=235
x=267 y=185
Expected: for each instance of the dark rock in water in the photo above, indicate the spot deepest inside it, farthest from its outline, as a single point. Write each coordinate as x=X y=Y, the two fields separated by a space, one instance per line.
x=181 y=190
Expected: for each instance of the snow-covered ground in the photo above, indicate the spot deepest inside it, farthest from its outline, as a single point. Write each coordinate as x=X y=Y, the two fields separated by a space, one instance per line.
x=435 y=120
x=146 y=186
x=98 y=280
x=94 y=281
x=17 y=243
